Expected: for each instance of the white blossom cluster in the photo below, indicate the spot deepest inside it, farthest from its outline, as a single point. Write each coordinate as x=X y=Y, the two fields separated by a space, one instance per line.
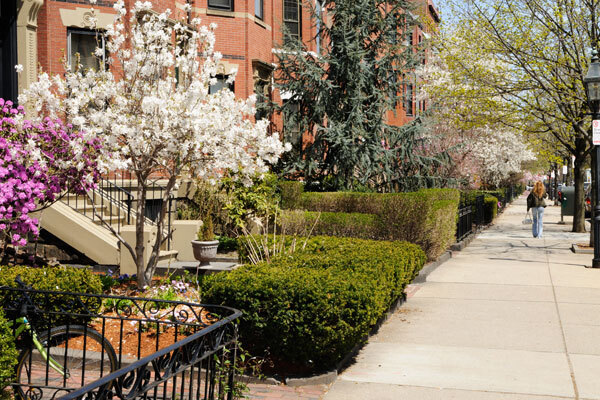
x=499 y=153
x=151 y=105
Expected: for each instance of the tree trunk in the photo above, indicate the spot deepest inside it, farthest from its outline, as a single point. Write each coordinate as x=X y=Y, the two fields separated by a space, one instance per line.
x=139 y=231
x=578 y=174
x=160 y=223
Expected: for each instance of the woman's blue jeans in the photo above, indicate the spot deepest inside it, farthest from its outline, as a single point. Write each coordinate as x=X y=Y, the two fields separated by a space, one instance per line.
x=538 y=215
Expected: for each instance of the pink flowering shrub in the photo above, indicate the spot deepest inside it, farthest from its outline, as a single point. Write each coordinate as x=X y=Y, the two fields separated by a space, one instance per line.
x=38 y=162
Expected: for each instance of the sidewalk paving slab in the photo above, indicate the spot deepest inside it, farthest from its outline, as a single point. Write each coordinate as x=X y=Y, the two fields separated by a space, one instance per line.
x=353 y=390
x=508 y=317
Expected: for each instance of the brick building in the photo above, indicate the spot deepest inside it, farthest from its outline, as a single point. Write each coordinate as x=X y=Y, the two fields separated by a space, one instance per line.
x=42 y=32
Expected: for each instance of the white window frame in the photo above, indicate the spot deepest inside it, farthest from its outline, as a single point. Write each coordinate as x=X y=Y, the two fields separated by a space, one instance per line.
x=88 y=32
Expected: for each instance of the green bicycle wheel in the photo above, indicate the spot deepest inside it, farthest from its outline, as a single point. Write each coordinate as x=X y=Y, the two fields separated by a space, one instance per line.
x=79 y=356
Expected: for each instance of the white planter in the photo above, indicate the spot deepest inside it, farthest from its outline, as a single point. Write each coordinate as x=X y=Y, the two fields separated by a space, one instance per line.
x=205 y=251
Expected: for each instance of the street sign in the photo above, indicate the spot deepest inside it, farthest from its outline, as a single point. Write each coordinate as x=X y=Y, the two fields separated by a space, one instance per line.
x=564 y=169
x=596 y=132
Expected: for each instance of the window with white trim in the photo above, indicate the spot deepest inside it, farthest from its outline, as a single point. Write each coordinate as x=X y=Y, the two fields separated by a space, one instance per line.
x=81 y=48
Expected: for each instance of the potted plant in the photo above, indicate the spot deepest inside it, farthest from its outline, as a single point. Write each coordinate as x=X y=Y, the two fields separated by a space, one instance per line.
x=205 y=248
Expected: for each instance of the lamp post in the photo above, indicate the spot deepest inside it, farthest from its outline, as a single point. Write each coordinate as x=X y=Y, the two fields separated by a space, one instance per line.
x=592 y=88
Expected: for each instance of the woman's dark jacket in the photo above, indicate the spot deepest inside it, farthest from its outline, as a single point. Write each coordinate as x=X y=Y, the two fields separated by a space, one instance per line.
x=534 y=201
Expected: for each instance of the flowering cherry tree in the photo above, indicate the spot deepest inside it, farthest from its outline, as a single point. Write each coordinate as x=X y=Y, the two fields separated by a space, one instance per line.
x=38 y=162
x=154 y=112
x=474 y=122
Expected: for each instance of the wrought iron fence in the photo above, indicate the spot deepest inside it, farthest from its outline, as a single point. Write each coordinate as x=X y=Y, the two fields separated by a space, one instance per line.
x=464 y=225
x=75 y=346
x=480 y=210
x=470 y=216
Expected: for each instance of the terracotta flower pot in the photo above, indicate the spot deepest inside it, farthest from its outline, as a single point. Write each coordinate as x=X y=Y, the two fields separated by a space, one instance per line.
x=205 y=251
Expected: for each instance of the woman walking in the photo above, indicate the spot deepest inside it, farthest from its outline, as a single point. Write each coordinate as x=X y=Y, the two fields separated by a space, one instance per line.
x=535 y=202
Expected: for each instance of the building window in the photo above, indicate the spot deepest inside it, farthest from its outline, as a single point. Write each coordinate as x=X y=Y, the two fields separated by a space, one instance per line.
x=81 y=48
x=262 y=88
x=220 y=84
x=291 y=124
x=319 y=11
x=226 y=5
x=292 y=13
x=409 y=102
x=259 y=10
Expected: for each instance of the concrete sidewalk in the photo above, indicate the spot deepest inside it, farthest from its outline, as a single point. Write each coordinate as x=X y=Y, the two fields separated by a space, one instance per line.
x=509 y=317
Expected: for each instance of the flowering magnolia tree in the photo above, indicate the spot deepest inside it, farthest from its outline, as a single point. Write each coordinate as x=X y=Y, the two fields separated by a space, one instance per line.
x=499 y=153
x=154 y=112
x=39 y=162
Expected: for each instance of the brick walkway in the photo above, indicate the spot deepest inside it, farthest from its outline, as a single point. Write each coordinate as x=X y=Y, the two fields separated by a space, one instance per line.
x=283 y=392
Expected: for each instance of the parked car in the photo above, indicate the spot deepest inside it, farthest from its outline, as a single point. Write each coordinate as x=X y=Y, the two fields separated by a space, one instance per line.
x=587 y=195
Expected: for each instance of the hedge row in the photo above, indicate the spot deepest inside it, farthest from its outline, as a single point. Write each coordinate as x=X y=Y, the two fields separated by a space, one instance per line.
x=490 y=201
x=49 y=278
x=75 y=280
x=427 y=217
x=305 y=223
x=312 y=307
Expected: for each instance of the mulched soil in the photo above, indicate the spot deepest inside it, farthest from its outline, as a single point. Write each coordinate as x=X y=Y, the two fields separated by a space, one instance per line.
x=136 y=337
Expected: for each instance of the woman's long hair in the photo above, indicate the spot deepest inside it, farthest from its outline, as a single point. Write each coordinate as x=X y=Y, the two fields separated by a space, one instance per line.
x=539 y=190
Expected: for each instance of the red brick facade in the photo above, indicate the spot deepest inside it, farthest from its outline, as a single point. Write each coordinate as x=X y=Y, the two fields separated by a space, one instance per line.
x=245 y=41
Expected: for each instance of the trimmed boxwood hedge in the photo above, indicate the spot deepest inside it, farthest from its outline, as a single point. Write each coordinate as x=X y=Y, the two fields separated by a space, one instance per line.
x=8 y=353
x=490 y=201
x=427 y=217
x=312 y=307
x=298 y=222
x=491 y=208
x=66 y=279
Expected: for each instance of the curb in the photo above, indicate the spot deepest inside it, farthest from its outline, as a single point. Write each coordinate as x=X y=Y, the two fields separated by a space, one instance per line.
x=459 y=246
x=330 y=376
x=323 y=379
x=432 y=266
x=580 y=250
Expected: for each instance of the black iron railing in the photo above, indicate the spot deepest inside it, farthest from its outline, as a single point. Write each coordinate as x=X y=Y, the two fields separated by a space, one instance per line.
x=107 y=204
x=464 y=226
x=105 y=347
x=470 y=217
x=112 y=203
x=480 y=210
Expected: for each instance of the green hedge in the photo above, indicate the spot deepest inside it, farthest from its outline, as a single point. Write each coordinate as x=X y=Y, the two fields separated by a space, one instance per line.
x=75 y=280
x=291 y=191
x=491 y=208
x=312 y=307
x=298 y=222
x=8 y=353
x=427 y=217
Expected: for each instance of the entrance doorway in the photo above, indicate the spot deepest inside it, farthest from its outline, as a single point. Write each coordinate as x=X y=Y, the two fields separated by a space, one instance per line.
x=8 y=50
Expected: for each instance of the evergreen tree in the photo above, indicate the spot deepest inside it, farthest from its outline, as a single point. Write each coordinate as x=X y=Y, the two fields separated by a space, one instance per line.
x=340 y=99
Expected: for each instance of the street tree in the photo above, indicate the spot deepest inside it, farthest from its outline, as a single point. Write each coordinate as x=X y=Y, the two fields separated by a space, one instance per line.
x=544 y=48
x=340 y=98
x=471 y=118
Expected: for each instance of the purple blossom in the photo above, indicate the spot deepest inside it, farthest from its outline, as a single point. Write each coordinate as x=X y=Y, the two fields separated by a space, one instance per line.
x=25 y=180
